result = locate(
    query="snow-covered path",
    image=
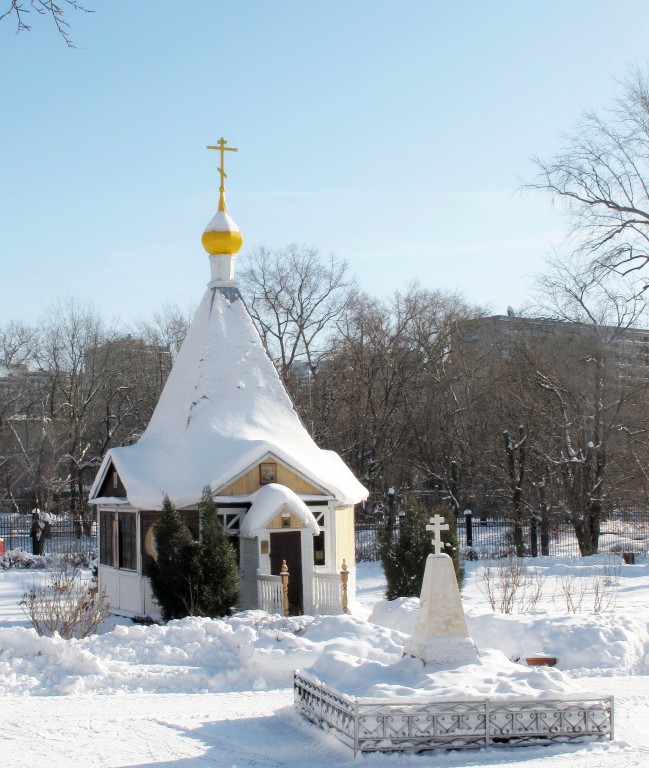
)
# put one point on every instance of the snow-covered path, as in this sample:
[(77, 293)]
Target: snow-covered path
[(260, 730), (243, 729)]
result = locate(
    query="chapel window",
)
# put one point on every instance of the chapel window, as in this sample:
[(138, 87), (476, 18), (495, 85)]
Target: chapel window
[(319, 548), (118, 540)]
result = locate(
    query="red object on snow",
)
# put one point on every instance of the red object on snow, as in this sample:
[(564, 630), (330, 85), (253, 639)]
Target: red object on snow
[(541, 661)]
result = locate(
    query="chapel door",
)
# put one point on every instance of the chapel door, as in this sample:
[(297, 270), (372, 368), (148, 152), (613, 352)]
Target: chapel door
[(286, 545)]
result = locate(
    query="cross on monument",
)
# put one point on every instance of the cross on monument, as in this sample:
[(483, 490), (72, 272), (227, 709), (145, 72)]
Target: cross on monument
[(220, 145), (438, 525)]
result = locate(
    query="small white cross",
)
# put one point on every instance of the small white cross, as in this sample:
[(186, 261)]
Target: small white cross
[(437, 527)]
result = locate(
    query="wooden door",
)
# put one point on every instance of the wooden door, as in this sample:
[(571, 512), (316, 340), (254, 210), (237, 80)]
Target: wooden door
[(287, 545)]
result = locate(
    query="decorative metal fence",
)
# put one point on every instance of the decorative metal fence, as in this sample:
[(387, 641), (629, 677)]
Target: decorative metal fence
[(64, 535), (494, 538), (409, 725)]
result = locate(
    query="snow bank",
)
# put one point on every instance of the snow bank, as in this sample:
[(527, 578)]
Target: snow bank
[(494, 676), (591, 643), (250, 651), (253, 651)]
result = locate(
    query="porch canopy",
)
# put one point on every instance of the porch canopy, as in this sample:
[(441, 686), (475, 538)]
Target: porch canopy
[(268, 502)]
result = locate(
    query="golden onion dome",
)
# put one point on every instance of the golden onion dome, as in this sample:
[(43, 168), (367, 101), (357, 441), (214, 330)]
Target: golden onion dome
[(222, 235)]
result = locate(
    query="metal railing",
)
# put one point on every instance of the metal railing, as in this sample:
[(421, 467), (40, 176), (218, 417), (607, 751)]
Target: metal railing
[(494, 537), (64, 535), (417, 725), (487, 538)]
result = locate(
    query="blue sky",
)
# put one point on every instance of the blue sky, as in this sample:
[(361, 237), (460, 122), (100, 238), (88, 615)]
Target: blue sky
[(394, 134)]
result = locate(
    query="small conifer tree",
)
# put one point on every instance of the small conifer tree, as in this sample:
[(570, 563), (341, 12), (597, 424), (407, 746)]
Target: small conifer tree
[(218, 588), (193, 578), (404, 556), (176, 566)]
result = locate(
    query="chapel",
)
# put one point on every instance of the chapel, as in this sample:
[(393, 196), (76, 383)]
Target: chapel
[(225, 420)]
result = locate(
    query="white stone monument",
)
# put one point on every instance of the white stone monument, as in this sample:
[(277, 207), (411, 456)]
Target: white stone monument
[(441, 634)]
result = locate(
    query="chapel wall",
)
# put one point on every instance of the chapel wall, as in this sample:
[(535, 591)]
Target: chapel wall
[(345, 536), (248, 562)]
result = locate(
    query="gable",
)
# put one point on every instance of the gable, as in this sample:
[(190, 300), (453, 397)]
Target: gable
[(111, 485), (285, 518), (251, 480)]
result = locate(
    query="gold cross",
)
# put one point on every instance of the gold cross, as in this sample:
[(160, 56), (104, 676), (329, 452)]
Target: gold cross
[(223, 149)]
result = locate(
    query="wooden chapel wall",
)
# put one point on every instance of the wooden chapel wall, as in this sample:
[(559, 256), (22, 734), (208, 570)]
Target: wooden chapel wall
[(249, 562), (345, 537)]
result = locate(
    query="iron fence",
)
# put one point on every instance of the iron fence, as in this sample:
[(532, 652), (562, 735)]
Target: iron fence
[(65, 535), (494, 538), (479, 538)]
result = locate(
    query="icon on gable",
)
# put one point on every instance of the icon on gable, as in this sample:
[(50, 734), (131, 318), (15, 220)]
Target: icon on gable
[(267, 473)]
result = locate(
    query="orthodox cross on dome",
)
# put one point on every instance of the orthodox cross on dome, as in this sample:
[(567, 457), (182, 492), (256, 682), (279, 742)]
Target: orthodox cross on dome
[(222, 237), (438, 525), (220, 145)]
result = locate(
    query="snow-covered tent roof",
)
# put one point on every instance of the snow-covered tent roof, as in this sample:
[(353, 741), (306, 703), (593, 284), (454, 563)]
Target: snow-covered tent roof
[(222, 410), (267, 503)]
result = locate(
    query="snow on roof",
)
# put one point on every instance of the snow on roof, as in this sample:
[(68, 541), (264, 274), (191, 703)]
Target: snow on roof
[(222, 410), (109, 500), (267, 502)]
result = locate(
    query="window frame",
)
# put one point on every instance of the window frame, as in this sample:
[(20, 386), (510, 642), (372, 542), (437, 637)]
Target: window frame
[(118, 540)]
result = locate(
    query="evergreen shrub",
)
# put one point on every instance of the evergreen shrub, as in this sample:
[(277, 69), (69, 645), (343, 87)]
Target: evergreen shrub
[(193, 578), (403, 555), (218, 590)]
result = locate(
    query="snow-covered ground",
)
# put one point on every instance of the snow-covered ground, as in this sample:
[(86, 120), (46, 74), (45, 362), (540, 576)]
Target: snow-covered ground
[(216, 692)]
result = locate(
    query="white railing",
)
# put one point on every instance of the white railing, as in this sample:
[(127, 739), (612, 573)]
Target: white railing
[(270, 597), (412, 725), (326, 593)]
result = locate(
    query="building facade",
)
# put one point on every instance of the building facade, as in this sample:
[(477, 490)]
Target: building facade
[(225, 421)]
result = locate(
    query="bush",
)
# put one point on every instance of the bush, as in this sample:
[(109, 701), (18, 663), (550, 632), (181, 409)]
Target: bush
[(173, 571), (404, 556), (193, 578), (217, 590), (19, 558), (69, 605)]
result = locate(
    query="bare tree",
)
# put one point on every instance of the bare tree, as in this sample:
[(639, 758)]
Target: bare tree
[(166, 329), (518, 475), (70, 389), (516, 453), (17, 344), (444, 406), (369, 373), (570, 290), (594, 394), (602, 177), (388, 377), (19, 10), (295, 296), (73, 354)]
